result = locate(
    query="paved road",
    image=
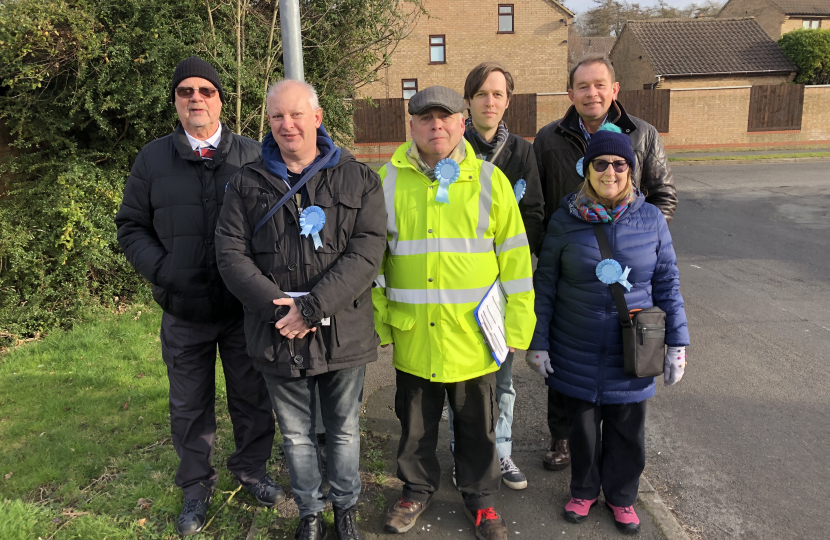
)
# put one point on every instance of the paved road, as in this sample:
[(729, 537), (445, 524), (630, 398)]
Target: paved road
[(741, 444), (739, 448)]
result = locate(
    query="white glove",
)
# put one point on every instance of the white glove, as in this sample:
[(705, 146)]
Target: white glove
[(673, 364), (539, 361)]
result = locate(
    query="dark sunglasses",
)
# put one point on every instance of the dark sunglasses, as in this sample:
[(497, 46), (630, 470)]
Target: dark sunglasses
[(619, 166), (185, 92)]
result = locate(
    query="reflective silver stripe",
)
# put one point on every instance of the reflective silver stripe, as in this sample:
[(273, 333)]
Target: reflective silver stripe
[(380, 281), (443, 245), (515, 286), (485, 198), (389, 196), (437, 296), (520, 240)]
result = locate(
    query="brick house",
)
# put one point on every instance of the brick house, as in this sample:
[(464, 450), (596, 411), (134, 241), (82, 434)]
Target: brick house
[(530, 37), (694, 53), (777, 17)]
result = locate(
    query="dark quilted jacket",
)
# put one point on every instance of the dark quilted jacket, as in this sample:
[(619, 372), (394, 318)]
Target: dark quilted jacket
[(560, 144), (168, 218), (576, 317)]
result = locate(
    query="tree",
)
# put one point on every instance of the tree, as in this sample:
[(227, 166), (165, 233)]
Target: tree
[(84, 84), (609, 16), (810, 51)]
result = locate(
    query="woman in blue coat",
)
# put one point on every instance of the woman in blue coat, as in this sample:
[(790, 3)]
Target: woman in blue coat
[(577, 345)]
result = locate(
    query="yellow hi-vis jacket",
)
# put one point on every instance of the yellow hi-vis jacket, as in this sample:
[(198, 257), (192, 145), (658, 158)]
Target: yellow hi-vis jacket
[(439, 262)]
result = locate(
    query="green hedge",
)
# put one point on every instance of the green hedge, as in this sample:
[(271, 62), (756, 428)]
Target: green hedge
[(810, 51)]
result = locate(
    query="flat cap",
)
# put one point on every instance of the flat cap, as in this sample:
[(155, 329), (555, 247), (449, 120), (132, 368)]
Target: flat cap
[(436, 96)]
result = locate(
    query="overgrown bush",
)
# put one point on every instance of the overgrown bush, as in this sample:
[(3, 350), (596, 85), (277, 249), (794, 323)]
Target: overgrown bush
[(84, 84), (810, 51)]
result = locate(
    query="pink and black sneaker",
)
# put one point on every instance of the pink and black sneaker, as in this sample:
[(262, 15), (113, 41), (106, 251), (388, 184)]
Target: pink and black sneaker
[(626, 518), (577, 509)]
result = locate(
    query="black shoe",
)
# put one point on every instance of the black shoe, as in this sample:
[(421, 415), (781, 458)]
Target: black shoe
[(311, 527), (193, 516), (267, 492), (345, 524)]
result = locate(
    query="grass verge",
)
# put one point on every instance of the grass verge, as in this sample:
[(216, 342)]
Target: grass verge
[(85, 447)]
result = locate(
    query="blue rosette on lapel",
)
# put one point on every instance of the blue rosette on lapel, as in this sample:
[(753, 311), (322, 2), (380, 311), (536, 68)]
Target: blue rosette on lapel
[(311, 222), (447, 171)]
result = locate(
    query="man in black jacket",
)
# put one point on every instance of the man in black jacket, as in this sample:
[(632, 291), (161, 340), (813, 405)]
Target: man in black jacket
[(166, 227), (304, 271), (559, 146), (487, 93)]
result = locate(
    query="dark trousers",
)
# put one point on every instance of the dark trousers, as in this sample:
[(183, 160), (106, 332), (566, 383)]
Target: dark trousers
[(608, 450), (418, 405), (558, 423), (189, 350)]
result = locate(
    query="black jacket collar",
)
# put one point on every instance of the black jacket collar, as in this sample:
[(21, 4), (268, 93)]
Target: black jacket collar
[(616, 115), (186, 151)]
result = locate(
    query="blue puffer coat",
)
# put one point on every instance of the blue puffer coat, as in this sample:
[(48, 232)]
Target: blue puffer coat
[(576, 317)]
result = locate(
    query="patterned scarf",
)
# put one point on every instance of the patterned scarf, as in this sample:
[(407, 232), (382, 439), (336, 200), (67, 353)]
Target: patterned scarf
[(483, 149), (594, 212), (414, 157)]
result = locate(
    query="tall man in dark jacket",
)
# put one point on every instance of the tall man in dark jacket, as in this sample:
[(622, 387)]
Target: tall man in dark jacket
[(166, 226), (593, 90), (487, 93), (304, 274)]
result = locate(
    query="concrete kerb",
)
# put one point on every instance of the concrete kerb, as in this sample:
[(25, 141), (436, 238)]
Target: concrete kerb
[(661, 514), (696, 162)]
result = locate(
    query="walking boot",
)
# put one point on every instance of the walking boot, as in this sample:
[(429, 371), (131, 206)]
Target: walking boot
[(489, 525), (345, 524), (625, 518), (402, 515), (577, 509), (267, 492), (193, 516), (311, 527), (558, 456)]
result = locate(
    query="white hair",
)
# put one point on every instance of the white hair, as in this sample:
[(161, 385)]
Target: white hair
[(282, 83)]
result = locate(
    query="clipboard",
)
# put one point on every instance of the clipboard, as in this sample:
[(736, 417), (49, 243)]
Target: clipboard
[(489, 315)]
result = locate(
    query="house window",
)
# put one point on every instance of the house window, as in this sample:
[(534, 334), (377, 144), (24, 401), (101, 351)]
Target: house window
[(807, 23), (505, 19), (409, 87), (437, 50)]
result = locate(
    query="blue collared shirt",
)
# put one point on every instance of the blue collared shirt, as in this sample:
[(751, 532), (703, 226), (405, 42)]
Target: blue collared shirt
[(585, 131)]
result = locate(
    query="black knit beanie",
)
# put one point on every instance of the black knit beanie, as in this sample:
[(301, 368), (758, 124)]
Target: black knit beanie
[(609, 140), (195, 67)]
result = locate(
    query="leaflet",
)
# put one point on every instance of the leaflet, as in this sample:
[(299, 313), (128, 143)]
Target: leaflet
[(490, 317)]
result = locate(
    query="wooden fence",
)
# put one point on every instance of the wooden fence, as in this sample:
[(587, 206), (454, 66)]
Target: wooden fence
[(520, 116), (383, 123), (775, 107), (653, 106)]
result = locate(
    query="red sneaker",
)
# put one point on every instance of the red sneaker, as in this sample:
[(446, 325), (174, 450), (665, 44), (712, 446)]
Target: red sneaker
[(626, 518), (577, 509)]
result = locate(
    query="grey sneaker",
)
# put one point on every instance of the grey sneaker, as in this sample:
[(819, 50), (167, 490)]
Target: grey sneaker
[(510, 473), (193, 516)]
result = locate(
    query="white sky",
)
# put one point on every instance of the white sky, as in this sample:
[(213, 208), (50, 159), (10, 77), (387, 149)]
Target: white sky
[(578, 6)]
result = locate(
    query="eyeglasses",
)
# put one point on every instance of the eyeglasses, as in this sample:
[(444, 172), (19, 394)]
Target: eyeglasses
[(619, 166), (185, 92)]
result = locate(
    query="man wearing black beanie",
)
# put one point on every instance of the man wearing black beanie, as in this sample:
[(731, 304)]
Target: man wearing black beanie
[(166, 227)]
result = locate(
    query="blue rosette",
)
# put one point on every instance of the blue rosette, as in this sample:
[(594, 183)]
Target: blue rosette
[(579, 164), (447, 171), (519, 189), (311, 222), (609, 272)]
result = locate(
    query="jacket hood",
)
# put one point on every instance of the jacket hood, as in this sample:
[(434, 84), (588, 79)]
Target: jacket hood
[(272, 157)]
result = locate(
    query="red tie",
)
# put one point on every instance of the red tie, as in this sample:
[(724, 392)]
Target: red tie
[(205, 153)]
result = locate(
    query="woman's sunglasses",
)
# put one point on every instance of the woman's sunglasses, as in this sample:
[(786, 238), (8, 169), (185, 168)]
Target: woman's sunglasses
[(619, 166), (185, 92)]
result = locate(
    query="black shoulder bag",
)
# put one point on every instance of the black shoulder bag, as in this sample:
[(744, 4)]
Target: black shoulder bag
[(643, 330)]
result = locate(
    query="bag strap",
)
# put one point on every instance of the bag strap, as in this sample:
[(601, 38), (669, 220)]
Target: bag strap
[(291, 192), (616, 288)]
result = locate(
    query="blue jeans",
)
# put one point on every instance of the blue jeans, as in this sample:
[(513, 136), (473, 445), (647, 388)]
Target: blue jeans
[(295, 402), (506, 396)]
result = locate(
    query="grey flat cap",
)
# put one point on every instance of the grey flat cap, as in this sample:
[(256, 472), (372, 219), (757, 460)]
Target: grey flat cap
[(436, 96)]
